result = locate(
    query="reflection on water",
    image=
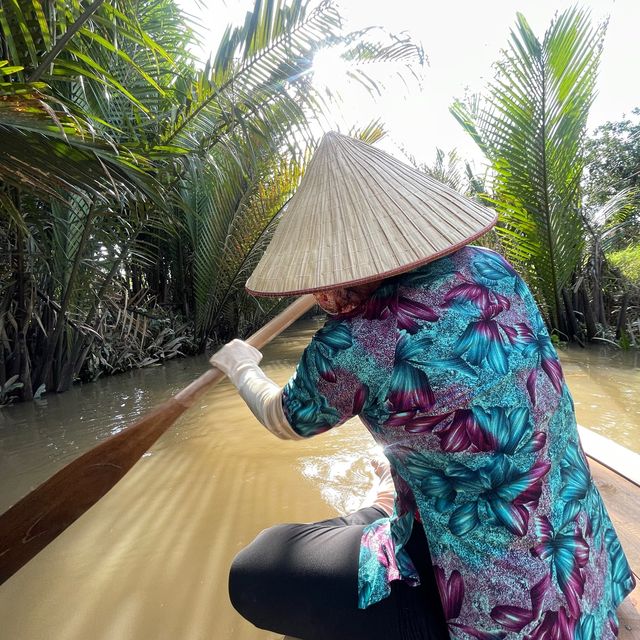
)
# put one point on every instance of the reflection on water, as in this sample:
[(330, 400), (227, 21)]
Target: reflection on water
[(150, 560)]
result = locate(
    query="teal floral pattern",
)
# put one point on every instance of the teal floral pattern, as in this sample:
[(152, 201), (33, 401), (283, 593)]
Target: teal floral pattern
[(453, 371)]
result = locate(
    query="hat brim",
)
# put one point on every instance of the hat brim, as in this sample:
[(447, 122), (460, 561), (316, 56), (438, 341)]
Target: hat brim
[(380, 276)]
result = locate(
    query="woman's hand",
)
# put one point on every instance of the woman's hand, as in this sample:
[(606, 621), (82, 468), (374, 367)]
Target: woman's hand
[(232, 355)]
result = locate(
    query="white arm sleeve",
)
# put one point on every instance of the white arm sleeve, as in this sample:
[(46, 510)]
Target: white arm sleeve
[(264, 398)]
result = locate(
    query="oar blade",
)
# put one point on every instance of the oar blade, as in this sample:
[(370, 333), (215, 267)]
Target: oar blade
[(33, 522)]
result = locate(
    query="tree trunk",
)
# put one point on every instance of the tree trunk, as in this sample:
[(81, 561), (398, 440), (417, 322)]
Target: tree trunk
[(573, 331), (82, 344), (587, 309), (4, 307), (598, 298), (52, 344), (622, 315), (23, 319)]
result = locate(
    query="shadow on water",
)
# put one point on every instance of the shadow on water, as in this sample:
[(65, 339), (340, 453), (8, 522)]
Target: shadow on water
[(150, 560)]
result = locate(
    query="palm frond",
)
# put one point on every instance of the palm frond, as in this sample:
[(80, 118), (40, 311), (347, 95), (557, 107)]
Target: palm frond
[(257, 64), (531, 126), (50, 152), (618, 216)]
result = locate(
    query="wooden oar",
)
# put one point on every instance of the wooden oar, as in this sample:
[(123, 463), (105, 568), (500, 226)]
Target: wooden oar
[(33, 522)]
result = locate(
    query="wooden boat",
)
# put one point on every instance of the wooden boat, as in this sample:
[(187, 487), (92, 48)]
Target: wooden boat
[(616, 472)]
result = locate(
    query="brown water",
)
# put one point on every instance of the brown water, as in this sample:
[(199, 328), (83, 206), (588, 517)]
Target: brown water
[(150, 560), (605, 385)]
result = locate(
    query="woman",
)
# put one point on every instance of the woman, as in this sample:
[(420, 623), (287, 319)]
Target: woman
[(497, 531)]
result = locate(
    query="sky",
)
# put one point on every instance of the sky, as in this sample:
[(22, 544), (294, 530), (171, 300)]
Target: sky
[(461, 39)]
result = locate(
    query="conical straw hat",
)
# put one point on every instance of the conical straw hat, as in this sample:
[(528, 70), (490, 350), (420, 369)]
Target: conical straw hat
[(361, 215)]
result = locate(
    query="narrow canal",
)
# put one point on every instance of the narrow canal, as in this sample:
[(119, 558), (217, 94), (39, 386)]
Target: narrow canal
[(150, 560)]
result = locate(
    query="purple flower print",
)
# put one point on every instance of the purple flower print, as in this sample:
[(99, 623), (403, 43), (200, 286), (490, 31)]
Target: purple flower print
[(476, 429), (378, 306), (535, 341), (409, 388), (411, 314), (461, 433), (505, 430), (492, 266), (333, 337), (478, 634), (613, 622), (517, 618), (451, 595), (451, 592), (360, 398), (500, 490), (482, 342), (480, 296), (508, 494), (556, 625)]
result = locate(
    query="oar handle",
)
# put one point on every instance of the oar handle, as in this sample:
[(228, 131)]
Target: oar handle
[(261, 337)]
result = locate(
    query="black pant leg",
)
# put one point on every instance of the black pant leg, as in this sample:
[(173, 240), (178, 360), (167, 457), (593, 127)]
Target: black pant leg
[(363, 516), (301, 580)]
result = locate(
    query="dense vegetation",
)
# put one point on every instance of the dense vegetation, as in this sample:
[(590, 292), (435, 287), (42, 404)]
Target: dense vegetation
[(628, 261), (558, 220), (137, 188)]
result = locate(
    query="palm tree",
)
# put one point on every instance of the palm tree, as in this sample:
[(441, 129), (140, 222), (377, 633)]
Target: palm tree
[(531, 126), (125, 167)]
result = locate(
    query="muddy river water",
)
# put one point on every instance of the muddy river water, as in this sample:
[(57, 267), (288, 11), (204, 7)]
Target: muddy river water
[(150, 560)]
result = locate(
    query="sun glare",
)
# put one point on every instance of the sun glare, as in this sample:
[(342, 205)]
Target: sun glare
[(329, 69)]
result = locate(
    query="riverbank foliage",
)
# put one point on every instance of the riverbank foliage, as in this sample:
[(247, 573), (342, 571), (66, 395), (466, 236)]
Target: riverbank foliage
[(139, 187), (563, 205), (628, 261)]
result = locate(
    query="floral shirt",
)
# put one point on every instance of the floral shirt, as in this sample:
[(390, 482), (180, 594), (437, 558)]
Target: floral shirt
[(453, 372)]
